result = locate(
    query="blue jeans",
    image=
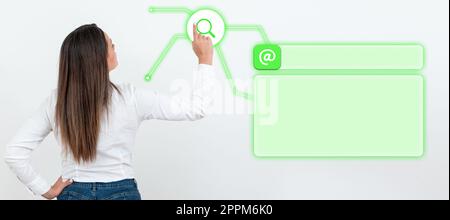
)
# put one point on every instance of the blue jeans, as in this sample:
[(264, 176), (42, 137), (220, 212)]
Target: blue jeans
[(119, 190)]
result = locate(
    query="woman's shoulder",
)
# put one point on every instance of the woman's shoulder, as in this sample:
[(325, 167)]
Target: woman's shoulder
[(125, 89)]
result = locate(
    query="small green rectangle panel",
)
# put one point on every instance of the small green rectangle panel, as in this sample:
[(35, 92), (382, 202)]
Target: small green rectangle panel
[(352, 56), (338, 116)]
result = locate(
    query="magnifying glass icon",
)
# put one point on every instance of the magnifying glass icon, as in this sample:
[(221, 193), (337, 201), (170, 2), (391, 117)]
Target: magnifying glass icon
[(207, 26)]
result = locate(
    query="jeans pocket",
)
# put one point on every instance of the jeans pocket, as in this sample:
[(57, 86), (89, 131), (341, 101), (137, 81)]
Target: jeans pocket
[(71, 195), (125, 195)]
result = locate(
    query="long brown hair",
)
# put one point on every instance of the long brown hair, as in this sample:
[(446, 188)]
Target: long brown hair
[(84, 91)]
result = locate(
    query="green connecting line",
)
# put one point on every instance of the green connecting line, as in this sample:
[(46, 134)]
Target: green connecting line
[(153, 9), (163, 54), (221, 56), (229, 77), (249, 27)]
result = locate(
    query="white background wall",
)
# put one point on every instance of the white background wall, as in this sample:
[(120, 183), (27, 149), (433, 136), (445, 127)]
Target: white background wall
[(211, 158)]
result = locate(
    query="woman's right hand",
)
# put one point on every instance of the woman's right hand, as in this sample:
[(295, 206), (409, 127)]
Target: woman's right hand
[(202, 46), (57, 188)]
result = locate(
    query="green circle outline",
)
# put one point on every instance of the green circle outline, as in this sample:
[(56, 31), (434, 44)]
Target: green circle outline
[(206, 8)]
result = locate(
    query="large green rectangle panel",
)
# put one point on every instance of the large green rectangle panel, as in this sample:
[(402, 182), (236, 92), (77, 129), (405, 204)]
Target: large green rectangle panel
[(338, 116), (352, 56)]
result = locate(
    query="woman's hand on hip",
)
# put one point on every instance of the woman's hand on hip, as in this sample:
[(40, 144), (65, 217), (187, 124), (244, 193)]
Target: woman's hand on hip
[(202, 46), (57, 188)]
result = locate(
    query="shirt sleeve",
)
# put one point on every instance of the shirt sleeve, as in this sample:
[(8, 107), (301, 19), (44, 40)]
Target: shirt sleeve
[(19, 149), (190, 106)]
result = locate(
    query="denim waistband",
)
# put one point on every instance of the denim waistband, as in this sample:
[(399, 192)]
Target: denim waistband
[(115, 184)]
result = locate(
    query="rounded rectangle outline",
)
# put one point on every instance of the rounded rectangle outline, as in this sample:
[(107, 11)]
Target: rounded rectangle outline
[(346, 157)]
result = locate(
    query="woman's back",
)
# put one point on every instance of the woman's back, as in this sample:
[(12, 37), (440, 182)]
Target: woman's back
[(116, 138)]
